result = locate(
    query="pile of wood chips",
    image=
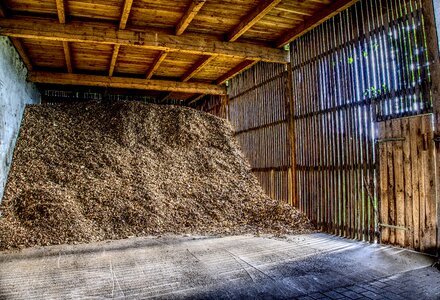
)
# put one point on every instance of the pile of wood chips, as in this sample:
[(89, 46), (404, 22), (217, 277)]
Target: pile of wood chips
[(88, 172)]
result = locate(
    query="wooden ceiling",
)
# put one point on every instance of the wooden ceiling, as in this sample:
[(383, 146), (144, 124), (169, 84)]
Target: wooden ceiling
[(187, 47)]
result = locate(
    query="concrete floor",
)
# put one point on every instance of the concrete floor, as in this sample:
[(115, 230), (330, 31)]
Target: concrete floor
[(315, 266)]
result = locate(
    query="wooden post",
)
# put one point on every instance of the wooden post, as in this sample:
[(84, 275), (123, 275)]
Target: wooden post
[(434, 63), (292, 134)]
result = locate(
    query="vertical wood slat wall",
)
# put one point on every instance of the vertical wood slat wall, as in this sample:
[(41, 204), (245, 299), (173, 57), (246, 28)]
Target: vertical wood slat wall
[(259, 111), (258, 108), (366, 64), (407, 183)]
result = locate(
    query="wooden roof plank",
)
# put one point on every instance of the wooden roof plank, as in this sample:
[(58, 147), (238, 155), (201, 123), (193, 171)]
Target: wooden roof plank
[(125, 13), (61, 11), (191, 12), (234, 71), (67, 57), (115, 53), (198, 67), (156, 64), (199, 44), (126, 83), (20, 49), (320, 17), (259, 12)]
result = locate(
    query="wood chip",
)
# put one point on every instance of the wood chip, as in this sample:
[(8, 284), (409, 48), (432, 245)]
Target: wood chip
[(85, 172)]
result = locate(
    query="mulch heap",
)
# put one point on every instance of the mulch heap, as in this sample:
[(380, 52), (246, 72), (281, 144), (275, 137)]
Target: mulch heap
[(87, 172)]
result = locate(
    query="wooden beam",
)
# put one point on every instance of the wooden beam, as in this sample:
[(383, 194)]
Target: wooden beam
[(234, 71), (68, 57), (194, 99), (61, 11), (166, 97), (189, 15), (113, 60), (23, 54), (122, 24), (156, 64), (323, 15), (125, 13), (256, 15), (155, 39), (125, 83), (197, 67)]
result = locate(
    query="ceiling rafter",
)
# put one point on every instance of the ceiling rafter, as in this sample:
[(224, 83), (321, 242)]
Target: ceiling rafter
[(191, 12), (256, 15), (125, 13), (68, 57), (122, 24), (126, 83), (61, 11), (156, 64), (200, 44), (234, 71), (24, 56), (197, 67), (115, 53), (320, 17)]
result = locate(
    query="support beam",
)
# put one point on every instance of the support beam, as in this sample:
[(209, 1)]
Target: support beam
[(432, 41), (237, 69), (111, 69), (323, 15), (23, 54), (125, 13), (166, 97), (194, 99), (155, 39), (61, 11), (68, 57), (197, 67), (156, 64), (122, 24), (189, 15), (256, 15), (126, 83)]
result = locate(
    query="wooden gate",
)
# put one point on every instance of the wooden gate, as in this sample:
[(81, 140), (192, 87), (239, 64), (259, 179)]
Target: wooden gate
[(406, 157)]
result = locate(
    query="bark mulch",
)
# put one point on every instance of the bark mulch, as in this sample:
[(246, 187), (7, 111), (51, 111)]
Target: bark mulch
[(85, 172)]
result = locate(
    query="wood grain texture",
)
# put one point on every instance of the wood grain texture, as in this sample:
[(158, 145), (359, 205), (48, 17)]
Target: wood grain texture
[(320, 17), (125, 13), (257, 13), (96, 33), (129, 83), (113, 60), (156, 64), (67, 57), (61, 11), (236, 70), (190, 13), (197, 67)]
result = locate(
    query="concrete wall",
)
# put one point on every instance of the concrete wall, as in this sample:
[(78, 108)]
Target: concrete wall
[(15, 93)]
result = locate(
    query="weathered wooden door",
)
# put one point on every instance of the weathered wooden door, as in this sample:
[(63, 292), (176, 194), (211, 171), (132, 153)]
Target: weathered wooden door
[(408, 216)]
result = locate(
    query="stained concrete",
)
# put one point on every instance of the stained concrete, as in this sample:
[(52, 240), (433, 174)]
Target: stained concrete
[(316, 266), (15, 93)]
